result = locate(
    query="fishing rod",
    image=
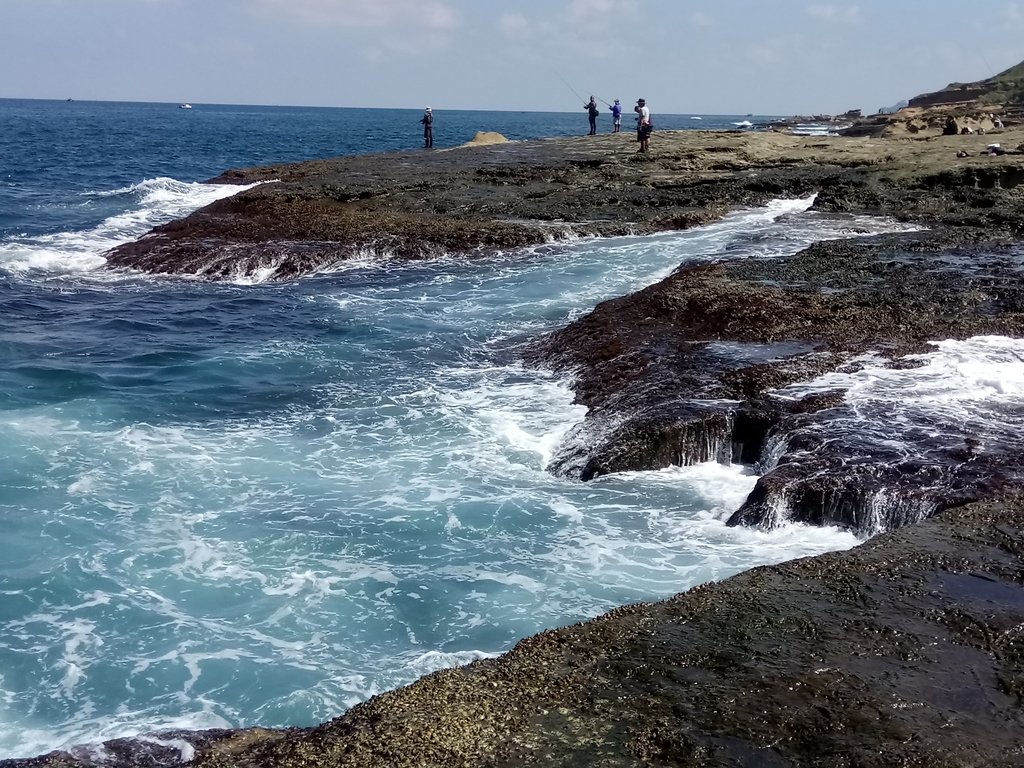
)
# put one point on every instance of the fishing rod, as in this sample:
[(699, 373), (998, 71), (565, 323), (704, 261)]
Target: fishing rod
[(567, 85), (577, 93)]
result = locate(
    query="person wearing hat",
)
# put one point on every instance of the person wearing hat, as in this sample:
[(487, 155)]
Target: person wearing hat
[(428, 128), (643, 124), (616, 109), (592, 113)]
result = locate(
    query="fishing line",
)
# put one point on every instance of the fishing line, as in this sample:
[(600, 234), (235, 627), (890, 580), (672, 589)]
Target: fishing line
[(991, 72), (574, 91), (577, 93)]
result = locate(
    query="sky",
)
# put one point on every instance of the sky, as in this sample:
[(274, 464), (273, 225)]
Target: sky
[(772, 57)]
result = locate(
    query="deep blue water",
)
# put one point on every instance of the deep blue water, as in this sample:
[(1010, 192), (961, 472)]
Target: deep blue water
[(236, 504)]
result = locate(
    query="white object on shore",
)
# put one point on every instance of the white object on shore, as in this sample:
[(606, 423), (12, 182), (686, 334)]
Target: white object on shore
[(817, 129)]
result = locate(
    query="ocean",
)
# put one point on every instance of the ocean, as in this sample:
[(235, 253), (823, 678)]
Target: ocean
[(238, 504)]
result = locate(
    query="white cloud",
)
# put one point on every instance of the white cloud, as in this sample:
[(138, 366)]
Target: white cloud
[(765, 53), (581, 11), (394, 27), (514, 25), (574, 29), (598, 14), (702, 20), (837, 14), (429, 15)]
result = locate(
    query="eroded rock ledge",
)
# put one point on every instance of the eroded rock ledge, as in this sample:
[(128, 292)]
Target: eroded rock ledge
[(690, 369), (478, 200), (908, 650)]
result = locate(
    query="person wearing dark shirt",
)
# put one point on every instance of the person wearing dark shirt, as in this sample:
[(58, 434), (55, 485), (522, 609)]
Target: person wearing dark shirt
[(428, 128)]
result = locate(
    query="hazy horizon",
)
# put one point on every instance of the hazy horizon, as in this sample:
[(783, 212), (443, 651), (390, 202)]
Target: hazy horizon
[(725, 57), (406, 109)]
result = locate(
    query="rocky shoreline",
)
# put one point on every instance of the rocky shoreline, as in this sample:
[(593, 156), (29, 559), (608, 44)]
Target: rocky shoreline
[(481, 199), (904, 651)]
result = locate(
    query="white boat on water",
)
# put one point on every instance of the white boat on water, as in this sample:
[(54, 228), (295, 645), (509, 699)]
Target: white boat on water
[(184, 106), (696, 118), (817, 129)]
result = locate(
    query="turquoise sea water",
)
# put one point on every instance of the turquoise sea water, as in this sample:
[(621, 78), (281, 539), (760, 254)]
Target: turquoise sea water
[(241, 504)]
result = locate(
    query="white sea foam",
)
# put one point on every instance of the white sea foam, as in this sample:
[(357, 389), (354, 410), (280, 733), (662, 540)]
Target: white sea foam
[(256, 277), (186, 752), (580, 266), (84, 732), (973, 387), (153, 202), (597, 269), (432, 661), (514, 411)]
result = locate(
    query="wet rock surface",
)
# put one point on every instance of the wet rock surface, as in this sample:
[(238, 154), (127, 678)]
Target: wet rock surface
[(696, 367), (908, 650)]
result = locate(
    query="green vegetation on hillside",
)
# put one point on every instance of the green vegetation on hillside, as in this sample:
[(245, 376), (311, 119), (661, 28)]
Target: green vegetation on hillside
[(1007, 87)]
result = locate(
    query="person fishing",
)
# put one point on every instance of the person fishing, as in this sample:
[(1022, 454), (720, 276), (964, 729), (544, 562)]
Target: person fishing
[(616, 109), (428, 128), (592, 113), (643, 124)]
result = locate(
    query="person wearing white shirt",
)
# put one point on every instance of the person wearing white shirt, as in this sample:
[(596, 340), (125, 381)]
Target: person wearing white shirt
[(643, 125)]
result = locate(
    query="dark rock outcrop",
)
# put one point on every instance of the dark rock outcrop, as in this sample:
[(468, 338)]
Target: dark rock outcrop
[(1005, 88), (483, 199), (691, 369)]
